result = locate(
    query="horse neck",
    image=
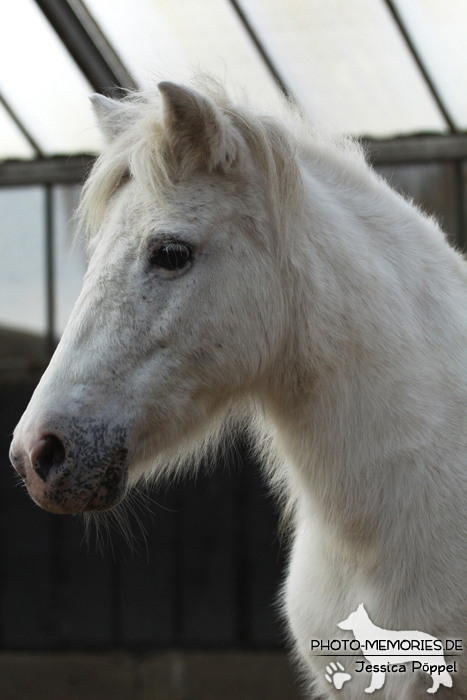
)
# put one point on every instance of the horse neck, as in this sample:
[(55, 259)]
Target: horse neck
[(330, 400)]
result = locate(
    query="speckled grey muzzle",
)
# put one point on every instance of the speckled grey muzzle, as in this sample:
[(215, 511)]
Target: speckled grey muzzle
[(73, 465)]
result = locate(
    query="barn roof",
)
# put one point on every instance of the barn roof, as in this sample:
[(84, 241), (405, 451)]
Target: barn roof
[(375, 68)]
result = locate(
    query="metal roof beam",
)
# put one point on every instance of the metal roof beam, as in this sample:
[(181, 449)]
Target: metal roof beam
[(417, 149), (45, 171), (73, 169), (262, 50), (87, 45), (418, 59), (29, 138)]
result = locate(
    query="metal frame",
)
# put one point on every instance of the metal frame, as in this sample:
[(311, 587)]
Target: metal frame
[(270, 65), (95, 57), (88, 46), (73, 169), (420, 63), (105, 71), (49, 271), (27, 135), (417, 149), (43, 171)]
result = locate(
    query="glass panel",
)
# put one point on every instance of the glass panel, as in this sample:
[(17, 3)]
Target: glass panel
[(22, 271), (12, 142), (70, 262), (42, 83), (348, 64), (438, 30), (164, 40)]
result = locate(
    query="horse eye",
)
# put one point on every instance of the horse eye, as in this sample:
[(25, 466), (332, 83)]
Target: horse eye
[(171, 256)]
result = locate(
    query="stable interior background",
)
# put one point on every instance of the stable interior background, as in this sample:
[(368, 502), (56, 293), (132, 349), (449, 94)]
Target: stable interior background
[(190, 610)]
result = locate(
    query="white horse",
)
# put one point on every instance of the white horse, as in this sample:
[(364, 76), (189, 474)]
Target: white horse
[(239, 266)]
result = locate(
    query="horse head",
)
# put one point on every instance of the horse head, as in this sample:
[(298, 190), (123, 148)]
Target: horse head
[(182, 312)]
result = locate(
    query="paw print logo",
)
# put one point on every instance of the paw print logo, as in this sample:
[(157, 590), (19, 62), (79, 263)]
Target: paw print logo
[(336, 675)]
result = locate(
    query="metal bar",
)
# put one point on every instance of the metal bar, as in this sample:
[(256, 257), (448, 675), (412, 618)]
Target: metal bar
[(264, 54), (29, 138), (87, 45), (125, 80), (417, 149), (45, 170), (418, 59), (49, 270), (73, 169)]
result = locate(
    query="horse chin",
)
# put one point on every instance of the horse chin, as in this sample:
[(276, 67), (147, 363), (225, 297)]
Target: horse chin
[(113, 486)]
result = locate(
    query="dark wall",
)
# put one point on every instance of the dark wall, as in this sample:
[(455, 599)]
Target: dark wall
[(436, 188), (206, 576)]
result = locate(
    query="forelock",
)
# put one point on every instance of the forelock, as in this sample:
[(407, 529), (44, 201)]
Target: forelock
[(141, 151)]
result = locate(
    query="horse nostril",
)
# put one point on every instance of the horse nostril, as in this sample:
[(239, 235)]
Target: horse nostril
[(47, 453)]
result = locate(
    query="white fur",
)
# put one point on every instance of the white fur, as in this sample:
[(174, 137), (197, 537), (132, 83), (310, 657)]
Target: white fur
[(322, 305)]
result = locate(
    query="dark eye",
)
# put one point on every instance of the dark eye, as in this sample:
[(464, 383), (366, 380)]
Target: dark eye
[(171, 256)]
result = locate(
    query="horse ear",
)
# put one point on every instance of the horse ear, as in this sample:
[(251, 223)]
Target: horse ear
[(197, 128), (109, 115)]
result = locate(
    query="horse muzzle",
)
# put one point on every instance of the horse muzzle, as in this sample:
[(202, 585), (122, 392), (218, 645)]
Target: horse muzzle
[(82, 468)]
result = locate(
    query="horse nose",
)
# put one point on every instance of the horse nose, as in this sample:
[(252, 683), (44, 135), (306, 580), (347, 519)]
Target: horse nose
[(46, 454)]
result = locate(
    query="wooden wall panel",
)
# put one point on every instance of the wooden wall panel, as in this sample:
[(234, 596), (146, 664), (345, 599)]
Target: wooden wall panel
[(434, 187)]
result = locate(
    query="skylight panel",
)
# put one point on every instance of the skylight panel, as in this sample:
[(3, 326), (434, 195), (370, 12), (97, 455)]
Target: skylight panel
[(12, 142), (348, 64), (166, 40), (42, 83)]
